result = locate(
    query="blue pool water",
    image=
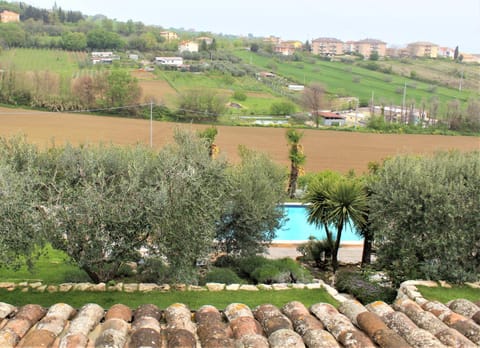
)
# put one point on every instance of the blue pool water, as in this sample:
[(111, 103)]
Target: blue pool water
[(296, 227)]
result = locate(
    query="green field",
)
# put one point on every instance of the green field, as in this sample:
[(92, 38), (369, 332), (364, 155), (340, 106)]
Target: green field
[(28, 59), (259, 96), (339, 78), (351, 80)]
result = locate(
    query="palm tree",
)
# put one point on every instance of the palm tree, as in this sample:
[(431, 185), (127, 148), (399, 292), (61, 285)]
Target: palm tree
[(336, 203), (297, 159)]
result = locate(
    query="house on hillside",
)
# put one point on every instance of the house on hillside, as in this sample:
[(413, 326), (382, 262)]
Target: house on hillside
[(9, 17), (208, 40), (188, 46), (284, 48), (327, 46), (367, 46), (332, 118), (423, 49), (169, 35), (446, 52), (274, 40), (169, 61)]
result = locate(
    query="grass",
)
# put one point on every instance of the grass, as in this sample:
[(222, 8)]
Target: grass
[(53, 268), (193, 299), (444, 295), (28, 59), (342, 78)]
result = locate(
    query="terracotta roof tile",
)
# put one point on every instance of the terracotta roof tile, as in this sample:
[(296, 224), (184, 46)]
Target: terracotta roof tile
[(411, 321)]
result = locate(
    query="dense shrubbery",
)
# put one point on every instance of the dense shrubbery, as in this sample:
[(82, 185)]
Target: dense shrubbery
[(102, 205), (222, 275), (260, 270), (362, 289), (425, 213)]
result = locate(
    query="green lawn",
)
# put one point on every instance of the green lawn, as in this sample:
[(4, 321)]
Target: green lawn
[(445, 294), (53, 268), (192, 299)]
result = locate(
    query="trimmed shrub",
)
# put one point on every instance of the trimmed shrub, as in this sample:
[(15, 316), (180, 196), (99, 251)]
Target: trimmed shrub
[(239, 95), (268, 274), (222, 275), (362, 289), (249, 264), (259, 269)]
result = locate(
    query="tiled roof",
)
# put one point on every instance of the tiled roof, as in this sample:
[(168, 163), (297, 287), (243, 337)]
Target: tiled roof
[(411, 321)]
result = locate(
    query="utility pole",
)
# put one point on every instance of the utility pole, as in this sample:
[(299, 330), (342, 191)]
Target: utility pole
[(151, 123), (403, 102), (460, 85), (373, 104), (356, 114)]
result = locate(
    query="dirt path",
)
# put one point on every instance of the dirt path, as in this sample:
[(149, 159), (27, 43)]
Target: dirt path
[(333, 150)]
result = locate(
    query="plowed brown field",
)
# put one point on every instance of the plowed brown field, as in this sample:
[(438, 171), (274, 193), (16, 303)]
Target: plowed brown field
[(324, 149)]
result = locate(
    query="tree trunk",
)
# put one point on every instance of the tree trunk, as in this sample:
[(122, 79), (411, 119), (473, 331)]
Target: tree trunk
[(335, 249), (292, 183), (367, 250), (93, 275)]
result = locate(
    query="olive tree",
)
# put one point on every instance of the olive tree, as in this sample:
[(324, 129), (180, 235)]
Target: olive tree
[(425, 215), (20, 229), (98, 206), (252, 211), (191, 191), (106, 204)]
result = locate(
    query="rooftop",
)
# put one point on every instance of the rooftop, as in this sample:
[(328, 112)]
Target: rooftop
[(411, 321)]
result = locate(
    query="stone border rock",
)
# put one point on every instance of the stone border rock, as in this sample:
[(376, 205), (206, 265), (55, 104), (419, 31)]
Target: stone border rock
[(149, 287), (408, 289)]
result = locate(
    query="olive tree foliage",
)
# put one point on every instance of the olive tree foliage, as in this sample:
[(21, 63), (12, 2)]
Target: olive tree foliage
[(252, 210), (425, 215), (20, 231), (106, 204), (98, 205), (200, 105), (192, 188)]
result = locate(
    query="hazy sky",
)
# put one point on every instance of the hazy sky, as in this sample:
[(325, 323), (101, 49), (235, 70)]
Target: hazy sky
[(398, 22)]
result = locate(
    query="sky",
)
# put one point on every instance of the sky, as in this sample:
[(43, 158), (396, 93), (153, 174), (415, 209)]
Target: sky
[(448, 23)]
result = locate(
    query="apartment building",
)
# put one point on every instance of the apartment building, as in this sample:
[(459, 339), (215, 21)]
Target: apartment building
[(327, 46), (423, 49), (367, 46)]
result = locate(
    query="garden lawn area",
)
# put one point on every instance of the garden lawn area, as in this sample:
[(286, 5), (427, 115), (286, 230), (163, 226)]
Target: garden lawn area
[(52, 267), (193, 299), (444, 295)]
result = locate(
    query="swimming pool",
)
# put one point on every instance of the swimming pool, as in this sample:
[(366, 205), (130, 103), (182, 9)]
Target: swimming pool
[(297, 229)]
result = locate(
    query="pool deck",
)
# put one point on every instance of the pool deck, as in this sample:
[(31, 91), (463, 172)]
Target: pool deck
[(348, 253)]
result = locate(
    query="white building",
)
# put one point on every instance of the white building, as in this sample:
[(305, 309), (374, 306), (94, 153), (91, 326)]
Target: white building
[(103, 57), (188, 46), (171, 61)]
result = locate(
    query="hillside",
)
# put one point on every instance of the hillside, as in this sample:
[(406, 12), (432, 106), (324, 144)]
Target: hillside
[(45, 63)]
